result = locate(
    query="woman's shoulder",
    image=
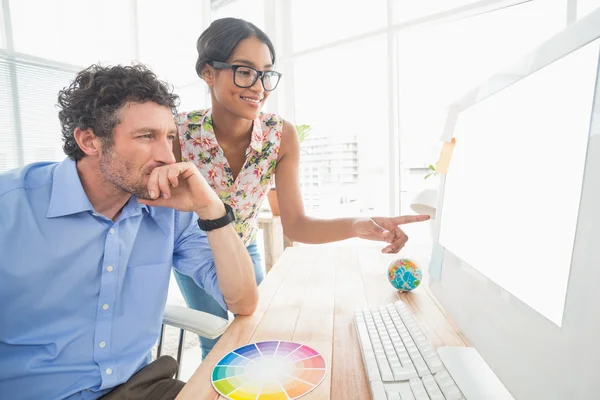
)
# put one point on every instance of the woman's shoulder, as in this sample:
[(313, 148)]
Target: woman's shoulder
[(194, 116), (270, 120)]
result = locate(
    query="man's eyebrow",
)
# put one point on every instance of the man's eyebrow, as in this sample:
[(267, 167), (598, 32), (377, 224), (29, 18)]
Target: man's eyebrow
[(151, 130), (250, 63)]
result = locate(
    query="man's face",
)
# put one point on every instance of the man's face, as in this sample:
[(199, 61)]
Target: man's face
[(142, 141)]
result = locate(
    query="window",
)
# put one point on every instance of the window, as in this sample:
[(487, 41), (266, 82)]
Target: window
[(73, 31), (193, 97), (2, 36), (407, 10), (29, 125), (584, 7), (346, 105), (250, 10), (53, 47), (9, 142), (167, 34), (316, 22), (441, 63)]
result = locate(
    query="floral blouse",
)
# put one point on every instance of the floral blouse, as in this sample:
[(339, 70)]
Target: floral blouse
[(246, 193)]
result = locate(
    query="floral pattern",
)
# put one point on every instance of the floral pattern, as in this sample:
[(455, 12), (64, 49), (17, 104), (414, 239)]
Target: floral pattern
[(246, 193)]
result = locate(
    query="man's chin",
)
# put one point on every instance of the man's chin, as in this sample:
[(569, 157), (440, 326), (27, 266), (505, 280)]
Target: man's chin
[(144, 195), (139, 192)]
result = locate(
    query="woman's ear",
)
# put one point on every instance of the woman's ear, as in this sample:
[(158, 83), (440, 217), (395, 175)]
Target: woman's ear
[(208, 75)]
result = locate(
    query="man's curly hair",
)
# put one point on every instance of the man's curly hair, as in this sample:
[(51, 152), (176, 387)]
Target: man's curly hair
[(94, 98)]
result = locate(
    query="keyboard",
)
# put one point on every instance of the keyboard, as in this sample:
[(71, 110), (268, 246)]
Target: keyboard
[(401, 363)]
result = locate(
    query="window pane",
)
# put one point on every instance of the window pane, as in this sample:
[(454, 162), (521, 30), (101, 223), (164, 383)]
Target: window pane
[(38, 92), (9, 152), (74, 31), (250, 10), (193, 96), (171, 57), (34, 117), (441, 63), (316, 22), (2, 38), (344, 161), (584, 7), (406, 10)]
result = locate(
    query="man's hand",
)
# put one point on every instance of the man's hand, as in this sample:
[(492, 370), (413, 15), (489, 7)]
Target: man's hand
[(181, 186), (386, 230)]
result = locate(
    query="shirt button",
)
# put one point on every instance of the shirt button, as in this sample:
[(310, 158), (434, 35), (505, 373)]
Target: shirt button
[(109, 268), (105, 306), (108, 371), (102, 345), (94, 214), (111, 231)]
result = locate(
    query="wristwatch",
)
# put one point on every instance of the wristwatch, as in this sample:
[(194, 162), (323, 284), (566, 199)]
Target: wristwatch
[(211, 224)]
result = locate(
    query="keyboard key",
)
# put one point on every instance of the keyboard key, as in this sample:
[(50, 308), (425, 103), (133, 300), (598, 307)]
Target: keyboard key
[(447, 385), (432, 388), (404, 373), (363, 336), (435, 364), (378, 391), (384, 368), (418, 389), (420, 366), (373, 371), (405, 391), (405, 360), (368, 354)]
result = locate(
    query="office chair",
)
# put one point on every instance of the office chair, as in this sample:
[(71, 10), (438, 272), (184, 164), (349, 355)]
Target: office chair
[(186, 319)]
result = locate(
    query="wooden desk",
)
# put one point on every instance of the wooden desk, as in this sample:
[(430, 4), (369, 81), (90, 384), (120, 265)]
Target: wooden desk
[(309, 297)]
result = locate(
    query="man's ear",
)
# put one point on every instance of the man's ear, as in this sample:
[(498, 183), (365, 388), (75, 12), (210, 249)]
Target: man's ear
[(87, 141)]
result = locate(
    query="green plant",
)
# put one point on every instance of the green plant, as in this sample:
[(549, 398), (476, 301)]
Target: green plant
[(433, 172), (303, 132)]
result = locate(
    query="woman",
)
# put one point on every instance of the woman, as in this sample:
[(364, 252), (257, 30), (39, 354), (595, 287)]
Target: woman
[(241, 150)]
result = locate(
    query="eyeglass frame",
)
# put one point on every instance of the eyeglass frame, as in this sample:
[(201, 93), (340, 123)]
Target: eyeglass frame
[(259, 74)]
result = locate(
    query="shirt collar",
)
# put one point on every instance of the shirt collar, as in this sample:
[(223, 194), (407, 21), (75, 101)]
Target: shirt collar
[(209, 140), (68, 196)]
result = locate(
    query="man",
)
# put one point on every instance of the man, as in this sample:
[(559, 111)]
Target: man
[(87, 246)]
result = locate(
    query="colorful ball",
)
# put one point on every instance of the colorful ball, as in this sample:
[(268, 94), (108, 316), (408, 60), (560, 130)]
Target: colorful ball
[(404, 274)]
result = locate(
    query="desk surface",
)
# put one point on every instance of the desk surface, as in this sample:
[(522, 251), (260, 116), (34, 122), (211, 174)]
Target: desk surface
[(310, 297)]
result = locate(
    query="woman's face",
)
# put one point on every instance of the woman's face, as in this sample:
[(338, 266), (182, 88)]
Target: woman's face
[(243, 102)]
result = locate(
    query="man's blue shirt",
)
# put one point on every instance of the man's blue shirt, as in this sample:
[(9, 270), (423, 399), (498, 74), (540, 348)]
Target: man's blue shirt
[(81, 296)]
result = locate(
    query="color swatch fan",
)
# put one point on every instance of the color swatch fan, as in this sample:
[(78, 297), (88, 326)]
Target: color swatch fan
[(273, 370)]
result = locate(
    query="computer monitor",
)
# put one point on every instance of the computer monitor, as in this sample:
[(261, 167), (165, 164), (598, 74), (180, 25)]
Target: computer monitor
[(516, 258)]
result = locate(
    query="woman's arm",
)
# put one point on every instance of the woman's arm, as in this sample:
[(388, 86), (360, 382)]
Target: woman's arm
[(296, 225), (301, 228)]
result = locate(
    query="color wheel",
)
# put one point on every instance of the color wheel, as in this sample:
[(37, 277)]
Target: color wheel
[(273, 370)]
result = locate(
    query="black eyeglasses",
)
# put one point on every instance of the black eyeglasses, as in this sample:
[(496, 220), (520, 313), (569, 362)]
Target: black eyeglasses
[(246, 77)]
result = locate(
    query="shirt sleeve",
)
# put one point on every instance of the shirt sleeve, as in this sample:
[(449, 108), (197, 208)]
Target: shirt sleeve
[(193, 256)]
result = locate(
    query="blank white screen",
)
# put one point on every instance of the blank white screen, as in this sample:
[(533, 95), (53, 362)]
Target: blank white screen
[(512, 191)]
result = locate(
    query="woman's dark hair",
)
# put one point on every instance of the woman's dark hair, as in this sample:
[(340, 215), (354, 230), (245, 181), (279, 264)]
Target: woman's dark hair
[(94, 98), (218, 41)]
